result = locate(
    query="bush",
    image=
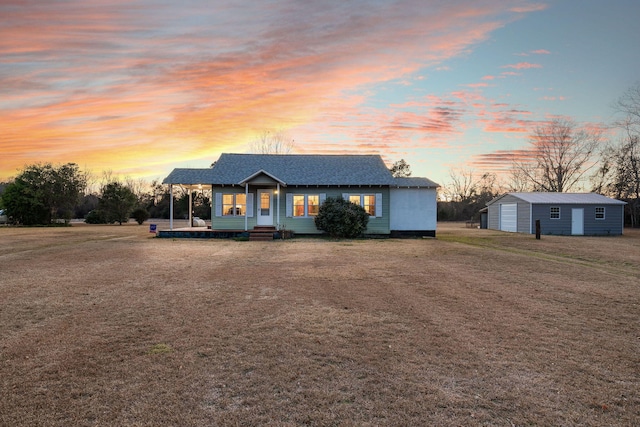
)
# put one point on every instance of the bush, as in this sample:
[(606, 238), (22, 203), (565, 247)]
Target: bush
[(140, 215), (341, 218), (96, 217)]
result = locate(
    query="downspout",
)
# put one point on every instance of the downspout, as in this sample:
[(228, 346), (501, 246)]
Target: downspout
[(246, 198), (171, 207), (278, 206)]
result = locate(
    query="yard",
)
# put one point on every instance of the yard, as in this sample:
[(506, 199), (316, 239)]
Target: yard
[(106, 325)]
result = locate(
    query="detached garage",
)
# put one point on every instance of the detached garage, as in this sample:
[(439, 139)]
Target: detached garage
[(559, 213)]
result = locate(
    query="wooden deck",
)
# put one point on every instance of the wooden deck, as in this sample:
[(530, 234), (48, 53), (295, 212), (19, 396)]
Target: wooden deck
[(200, 233), (255, 234)]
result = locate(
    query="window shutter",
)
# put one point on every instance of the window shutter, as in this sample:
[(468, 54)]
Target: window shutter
[(345, 196), (323, 197), (378, 205), (289, 207), (250, 205), (218, 204)]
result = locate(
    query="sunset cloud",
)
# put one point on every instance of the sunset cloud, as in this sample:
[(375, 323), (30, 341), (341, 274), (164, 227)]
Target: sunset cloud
[(100, 82), (142, 86), (522, 66)]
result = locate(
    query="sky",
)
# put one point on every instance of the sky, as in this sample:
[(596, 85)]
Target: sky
[(139, 87)]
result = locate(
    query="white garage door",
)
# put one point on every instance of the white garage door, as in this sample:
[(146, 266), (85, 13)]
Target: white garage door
[(509, 217)]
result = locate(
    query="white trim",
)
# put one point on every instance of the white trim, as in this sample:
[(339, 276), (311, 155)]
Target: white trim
[(171, 207), (262, 171), (278, 206), (246, 216), (190, 207)]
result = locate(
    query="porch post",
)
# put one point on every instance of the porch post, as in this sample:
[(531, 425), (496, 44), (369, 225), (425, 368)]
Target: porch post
[(278, 206), (246, 198), (171, 207), (190, 207)]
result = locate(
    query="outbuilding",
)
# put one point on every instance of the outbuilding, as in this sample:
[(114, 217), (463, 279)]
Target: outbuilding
[(575, 214)]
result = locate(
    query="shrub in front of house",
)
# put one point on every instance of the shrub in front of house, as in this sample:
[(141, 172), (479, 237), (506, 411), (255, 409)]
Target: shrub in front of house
[(341, 218)]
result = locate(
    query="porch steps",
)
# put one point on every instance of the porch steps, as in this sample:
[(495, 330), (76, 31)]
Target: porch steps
[(261, 233)]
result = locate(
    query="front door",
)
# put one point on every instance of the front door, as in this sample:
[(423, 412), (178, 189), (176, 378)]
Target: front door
[(577, 222), (265, 207)]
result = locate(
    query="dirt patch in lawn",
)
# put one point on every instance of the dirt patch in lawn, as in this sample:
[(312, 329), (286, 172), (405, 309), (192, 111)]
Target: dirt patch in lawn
[(107, 325)]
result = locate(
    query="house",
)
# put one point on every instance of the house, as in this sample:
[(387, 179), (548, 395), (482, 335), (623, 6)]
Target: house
[(559, 213), (285, 191)]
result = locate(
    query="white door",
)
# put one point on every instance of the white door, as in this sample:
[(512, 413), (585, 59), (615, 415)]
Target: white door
[(577, 222), (509, 217), (265, 207)]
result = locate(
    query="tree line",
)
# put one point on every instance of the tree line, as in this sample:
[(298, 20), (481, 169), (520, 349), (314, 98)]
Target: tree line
[(44, 193)]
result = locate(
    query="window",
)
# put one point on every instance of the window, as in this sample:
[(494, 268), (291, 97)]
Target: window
[(554, 212), (313, 204), (599, 212), (306, 204), (298, 204), (234, 204), (369, 204), (372, 203)]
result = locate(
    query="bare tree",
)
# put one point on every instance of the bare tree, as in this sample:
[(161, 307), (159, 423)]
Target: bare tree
[(619, 173), (462, 187), (629, 105), (139, 186), (561, 154), (466, 194), (518, 181), (272, 142)]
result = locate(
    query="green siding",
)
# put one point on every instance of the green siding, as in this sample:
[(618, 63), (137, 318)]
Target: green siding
[(231, 222), (299, 225), (306, 225)]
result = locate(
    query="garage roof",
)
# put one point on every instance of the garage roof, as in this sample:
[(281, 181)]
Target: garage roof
[(563, 198)]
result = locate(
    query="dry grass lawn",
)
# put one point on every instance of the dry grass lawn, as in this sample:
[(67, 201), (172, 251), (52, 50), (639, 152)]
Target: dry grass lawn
[(107, 325)]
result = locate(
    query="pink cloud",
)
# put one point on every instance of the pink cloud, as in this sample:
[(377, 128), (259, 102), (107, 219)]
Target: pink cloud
[(535, 7), (522, 66), (501, 160)]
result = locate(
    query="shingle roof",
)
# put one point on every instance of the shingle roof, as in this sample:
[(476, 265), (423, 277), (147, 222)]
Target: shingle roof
[(414, 182), (292, 169), (563, 198)]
